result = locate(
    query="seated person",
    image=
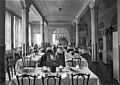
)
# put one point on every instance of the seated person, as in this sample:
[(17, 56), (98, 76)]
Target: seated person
[(60, 57), (36, 48), (47, 57), (76, 50)]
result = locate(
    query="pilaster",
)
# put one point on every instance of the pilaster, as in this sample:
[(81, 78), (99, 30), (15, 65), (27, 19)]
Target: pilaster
[(2, 41), (94, 34), (77, 33)]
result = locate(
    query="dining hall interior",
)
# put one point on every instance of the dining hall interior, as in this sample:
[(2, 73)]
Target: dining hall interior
[(59, 42)]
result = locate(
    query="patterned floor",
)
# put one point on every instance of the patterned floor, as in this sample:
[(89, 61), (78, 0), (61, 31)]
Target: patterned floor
[(103, 71)]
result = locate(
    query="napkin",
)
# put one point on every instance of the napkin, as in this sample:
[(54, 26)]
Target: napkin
[(60, 66), (44, 67), (77, 67), (65, 75)]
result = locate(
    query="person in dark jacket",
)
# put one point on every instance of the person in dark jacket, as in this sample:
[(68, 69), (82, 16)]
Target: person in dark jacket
[(47, 57)]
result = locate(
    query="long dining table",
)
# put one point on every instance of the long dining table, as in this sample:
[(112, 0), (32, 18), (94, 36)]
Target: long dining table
[(65, 74), (34, 59)]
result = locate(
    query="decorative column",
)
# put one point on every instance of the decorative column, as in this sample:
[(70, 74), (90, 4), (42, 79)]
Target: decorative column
[(12, 32), (31, 36), (77, 33), (25, 4), (116, 47), (46, 33), (94, 33), (42, 34), (2, 41), (25, 20)]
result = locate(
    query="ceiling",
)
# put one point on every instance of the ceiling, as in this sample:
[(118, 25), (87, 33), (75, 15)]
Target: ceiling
[(56, 12), (60, 12)]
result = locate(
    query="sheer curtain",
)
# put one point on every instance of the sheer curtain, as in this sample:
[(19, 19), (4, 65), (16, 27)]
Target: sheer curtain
[(17, 32), (20, 34), (8, 30), (30, 35)]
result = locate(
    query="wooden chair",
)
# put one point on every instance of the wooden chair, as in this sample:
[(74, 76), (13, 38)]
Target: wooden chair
[(27, 62), (21, 79), (10, 66), (52, 77), (76, 61), (83, 76)]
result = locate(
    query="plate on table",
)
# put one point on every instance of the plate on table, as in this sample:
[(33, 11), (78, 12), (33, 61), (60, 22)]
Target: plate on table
[(45, 70), (28, 70)]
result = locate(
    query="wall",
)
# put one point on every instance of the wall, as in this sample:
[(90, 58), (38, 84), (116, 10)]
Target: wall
[(35, 28)]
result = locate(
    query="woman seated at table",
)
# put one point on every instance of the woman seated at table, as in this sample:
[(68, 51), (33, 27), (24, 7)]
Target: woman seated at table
[(60, 57), (47, 57)]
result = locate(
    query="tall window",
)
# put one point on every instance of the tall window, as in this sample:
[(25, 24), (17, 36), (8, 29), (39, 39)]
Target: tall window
[(8, 30)]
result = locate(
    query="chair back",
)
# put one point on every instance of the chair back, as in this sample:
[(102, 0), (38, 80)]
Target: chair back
[(55, 78), (10, 61), (76, 61), (10, 66), (27, 62), (21, 81), (83, 76)]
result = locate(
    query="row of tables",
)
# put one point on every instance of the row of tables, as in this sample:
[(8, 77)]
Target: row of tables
[(65, 73)]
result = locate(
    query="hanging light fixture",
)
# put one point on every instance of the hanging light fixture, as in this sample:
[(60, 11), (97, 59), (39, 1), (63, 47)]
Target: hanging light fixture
[(60, 9)]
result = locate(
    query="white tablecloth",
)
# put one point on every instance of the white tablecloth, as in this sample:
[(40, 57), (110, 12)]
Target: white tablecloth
[(33, 60), (84, 51), (94, 80)]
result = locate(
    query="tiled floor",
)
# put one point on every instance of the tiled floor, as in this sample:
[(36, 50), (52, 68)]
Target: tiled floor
[(103, 71)]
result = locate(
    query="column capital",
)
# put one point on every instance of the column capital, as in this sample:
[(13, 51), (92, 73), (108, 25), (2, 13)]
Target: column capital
[(94, 8), (25, 8), (76, 21), (94, 3), (25, 4)]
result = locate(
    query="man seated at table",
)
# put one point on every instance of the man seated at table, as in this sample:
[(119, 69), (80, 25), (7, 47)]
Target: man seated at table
[(47, 57)]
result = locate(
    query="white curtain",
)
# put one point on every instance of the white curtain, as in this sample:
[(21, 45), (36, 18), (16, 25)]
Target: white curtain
[(30, 35), (8, 30), (18, 36)]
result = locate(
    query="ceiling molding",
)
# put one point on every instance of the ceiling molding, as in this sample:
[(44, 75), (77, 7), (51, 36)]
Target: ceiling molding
[(59, 25), (41, 2), (82, 9), (75, 5), (32, 8)]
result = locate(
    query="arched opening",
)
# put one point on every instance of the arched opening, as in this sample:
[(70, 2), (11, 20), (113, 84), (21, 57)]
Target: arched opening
[(83, 34), (60, 36)]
